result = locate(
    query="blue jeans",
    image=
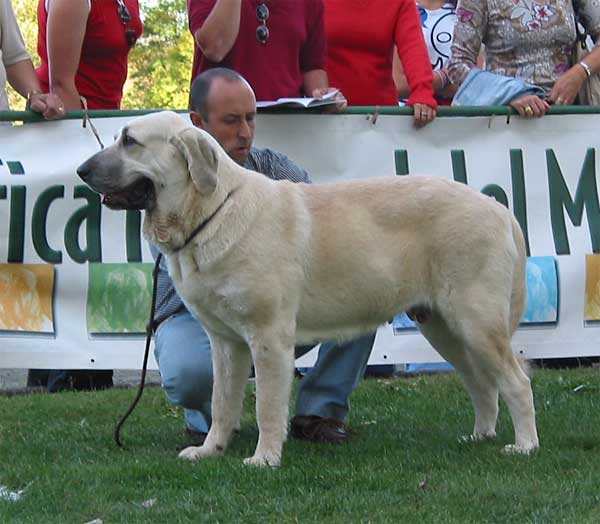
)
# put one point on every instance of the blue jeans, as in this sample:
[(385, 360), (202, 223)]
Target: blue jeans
[(182, 351)]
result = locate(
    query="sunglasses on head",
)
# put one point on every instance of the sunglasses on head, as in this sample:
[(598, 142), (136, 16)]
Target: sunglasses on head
[(125, 17), (262, 31)]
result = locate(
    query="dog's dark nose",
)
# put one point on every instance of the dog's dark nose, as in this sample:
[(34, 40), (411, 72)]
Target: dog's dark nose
[(84, 170)]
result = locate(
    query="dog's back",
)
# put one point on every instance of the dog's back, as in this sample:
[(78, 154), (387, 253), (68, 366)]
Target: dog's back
[(382, 245)]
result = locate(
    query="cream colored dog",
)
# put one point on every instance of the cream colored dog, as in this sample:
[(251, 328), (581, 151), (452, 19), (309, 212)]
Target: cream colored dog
[(266, 265)]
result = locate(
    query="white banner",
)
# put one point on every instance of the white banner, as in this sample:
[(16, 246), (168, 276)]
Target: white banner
[(75, 277)]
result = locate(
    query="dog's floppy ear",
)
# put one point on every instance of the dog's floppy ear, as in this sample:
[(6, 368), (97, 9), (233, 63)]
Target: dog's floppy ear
[(201, 157)]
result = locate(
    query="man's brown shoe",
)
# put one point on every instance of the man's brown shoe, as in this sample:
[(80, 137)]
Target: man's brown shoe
[(318, 429)]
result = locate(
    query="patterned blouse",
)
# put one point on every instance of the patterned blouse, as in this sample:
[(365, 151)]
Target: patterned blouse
[(528, 39)]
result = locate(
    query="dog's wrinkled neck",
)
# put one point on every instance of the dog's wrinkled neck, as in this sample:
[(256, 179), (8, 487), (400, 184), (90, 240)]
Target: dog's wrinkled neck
[(203, 224), (172, 230)]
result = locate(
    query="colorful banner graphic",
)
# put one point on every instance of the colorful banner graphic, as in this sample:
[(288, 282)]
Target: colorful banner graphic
[(26, 292), (119, 298)]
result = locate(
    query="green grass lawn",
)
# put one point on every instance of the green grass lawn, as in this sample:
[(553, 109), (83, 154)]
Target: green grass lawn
[(404, 463)]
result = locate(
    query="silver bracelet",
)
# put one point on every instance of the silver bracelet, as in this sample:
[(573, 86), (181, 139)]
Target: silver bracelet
[(586, 68)]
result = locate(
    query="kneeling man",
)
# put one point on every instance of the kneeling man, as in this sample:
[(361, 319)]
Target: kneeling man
[(223, 104)]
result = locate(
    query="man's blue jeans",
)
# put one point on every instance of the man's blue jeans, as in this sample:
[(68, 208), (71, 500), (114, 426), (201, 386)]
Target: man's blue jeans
[(183, 354)]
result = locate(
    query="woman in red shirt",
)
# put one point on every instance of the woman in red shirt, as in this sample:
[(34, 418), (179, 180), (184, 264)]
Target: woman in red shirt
[(361, 35), (84, 45)]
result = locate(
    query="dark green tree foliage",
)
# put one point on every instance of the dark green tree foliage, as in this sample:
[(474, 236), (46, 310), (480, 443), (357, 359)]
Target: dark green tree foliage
[(160, 64)]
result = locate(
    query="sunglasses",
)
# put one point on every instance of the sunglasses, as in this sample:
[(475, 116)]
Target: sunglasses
[(262, 31), (125, 16)]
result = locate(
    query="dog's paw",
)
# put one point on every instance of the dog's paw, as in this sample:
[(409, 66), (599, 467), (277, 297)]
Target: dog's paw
[(193, 453), (513, 449), (263, 460)]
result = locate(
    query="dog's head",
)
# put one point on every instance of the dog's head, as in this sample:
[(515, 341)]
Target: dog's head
[(156, 155)]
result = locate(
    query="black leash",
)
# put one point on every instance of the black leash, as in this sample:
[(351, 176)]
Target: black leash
[(149, 332), (150, 327)]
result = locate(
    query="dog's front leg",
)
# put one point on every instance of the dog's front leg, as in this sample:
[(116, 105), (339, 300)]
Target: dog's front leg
[(231, 368), (274, 367)]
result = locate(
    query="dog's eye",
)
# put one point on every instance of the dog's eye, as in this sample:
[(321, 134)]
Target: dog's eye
[(128, 140)]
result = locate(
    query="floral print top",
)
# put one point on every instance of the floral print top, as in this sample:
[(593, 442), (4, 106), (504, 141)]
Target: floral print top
[(528, 39)]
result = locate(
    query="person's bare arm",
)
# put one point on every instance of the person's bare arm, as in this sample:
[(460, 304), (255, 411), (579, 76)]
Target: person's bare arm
[(316, 85), (446, 91), (565, 89), (220, 30), (65, 31), (21, 75), (314, 80)]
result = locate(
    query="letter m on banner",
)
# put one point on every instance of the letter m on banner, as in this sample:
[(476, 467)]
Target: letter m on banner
[(586, 196)]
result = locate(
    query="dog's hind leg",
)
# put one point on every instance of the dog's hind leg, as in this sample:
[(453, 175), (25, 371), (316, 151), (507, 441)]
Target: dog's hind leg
[(515, 389), (274, 368), (231, 368), (488, 359), (498, 361), (481, 388)]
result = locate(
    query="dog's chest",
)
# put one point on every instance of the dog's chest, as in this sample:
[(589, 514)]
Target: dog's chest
[(217, 298)]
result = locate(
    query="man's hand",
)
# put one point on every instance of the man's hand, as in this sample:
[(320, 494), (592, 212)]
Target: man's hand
[(320, 92)]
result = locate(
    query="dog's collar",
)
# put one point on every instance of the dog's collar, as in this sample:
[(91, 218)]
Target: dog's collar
[(203, 224)]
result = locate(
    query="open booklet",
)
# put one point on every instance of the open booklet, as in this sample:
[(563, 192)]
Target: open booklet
[(303, 102)]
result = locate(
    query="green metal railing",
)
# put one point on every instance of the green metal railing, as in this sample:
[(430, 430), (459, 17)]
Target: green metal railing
[(30, 116), (473, 110), (444, 111)]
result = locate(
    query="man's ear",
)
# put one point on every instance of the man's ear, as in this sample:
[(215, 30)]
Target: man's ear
[(201, 157), (197, 119)]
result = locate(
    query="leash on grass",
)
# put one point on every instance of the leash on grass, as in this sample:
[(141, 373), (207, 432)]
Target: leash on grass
[(150, 326), (149, 331)]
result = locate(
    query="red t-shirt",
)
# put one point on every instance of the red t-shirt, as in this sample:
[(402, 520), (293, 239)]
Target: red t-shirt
[(360, 41), (296, 45), (102, 67)]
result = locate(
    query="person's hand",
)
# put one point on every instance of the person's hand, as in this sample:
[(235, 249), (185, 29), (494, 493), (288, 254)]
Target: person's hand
[(565, 89), (48, 104), (529, 106), (423, 114), (333, 108)]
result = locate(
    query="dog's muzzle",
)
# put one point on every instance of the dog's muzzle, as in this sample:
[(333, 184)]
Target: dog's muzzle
[(138, 195)]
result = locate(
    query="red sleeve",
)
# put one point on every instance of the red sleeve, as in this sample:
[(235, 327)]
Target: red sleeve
[(312, 54), (198, 11), (414, 55)]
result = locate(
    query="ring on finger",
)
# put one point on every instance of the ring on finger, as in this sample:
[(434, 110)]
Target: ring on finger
[(560, 100), (528, 111)]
